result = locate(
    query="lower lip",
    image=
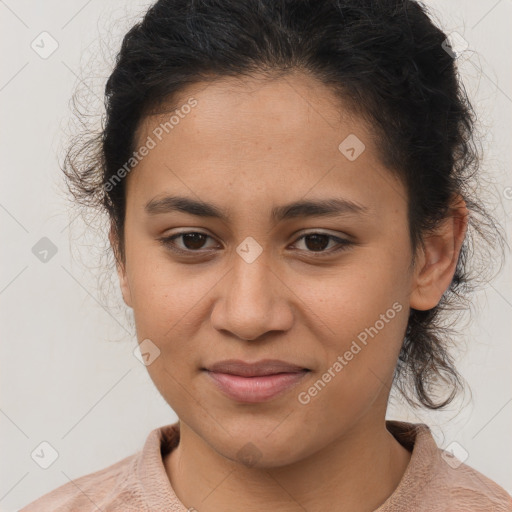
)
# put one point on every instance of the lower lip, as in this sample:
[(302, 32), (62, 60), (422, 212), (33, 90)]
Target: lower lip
[(255, 389)]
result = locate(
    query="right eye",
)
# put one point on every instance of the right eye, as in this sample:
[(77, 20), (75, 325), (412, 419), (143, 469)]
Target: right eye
[(191, 240)]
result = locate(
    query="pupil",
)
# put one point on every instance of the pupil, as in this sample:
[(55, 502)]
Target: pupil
[(316, 244), (197, 240)]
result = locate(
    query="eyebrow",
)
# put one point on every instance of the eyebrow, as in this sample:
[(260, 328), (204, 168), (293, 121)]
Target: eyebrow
[(304, 208)]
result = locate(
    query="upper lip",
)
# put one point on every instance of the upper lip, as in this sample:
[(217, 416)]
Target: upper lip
[(258, 368)]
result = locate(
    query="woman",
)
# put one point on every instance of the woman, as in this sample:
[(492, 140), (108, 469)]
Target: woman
[(239, 135)]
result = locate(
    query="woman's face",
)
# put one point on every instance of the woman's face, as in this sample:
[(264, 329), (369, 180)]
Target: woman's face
[(253, 287)]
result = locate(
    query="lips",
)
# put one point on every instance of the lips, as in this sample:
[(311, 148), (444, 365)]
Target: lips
[(255, 382), (260, 368)]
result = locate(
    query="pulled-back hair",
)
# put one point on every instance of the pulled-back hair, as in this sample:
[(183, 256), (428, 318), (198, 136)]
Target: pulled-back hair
[(385, 60)]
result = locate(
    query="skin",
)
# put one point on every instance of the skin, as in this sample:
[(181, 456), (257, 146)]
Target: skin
[(250, 145)]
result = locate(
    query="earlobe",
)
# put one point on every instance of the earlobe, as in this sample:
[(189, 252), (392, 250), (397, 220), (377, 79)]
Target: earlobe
[(121, 269), (438, 257), (124, 284)]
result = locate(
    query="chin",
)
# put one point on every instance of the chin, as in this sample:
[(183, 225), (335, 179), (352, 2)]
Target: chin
[(261, 448)]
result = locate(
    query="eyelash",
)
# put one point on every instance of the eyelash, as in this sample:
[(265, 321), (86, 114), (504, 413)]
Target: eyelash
[(168, 242)]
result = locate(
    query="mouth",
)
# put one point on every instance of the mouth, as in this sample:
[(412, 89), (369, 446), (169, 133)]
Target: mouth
[(255, 382)]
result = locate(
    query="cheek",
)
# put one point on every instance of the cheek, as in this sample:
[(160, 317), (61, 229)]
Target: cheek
[(352, 297), (360, 314), (171, 303), (163, 292), (169, 307), (358, 361)]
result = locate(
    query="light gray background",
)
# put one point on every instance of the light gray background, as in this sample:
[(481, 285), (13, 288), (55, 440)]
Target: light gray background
[(68, 375)]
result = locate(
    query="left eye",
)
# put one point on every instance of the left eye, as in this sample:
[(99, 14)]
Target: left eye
[(319, 241), (193, 242)]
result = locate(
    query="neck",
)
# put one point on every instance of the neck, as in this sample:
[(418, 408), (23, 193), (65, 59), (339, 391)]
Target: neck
[(356, 472)]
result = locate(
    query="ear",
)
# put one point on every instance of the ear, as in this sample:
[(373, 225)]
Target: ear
[(437, 259), (121, 268)]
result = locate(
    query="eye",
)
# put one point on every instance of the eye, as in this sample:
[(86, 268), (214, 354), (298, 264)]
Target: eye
[(317, 242), (194, 241)]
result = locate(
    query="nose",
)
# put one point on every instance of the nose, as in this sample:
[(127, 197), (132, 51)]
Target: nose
[(252, 301)]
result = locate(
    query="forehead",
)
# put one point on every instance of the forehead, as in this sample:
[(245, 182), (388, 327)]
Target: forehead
[(257, 136), (260, 108)]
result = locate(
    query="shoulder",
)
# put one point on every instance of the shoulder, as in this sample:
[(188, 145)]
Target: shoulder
[(112, 488), (436, 480), (134, 484), (468, 489)]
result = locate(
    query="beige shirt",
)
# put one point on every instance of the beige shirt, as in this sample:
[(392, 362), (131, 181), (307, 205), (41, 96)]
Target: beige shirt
[(433, 481)]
